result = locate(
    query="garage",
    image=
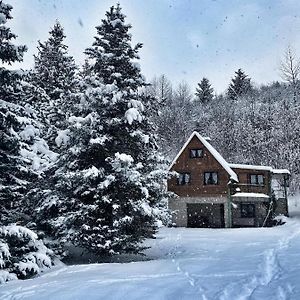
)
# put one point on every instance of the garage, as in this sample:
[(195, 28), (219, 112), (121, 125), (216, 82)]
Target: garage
[(205, 215)]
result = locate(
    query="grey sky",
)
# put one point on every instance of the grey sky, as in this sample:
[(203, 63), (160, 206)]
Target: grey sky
[(184, 39)]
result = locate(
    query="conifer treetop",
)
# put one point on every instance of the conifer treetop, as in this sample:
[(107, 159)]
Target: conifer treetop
[(54, 70), (113, 54), (204, 91), (239, 85), (9, 53), (57, 35)]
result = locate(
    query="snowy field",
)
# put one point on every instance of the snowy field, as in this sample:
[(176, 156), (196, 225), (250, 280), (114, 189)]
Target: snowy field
[(251, 263)]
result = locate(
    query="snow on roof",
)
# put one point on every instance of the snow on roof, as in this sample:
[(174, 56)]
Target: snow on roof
[(212, 150), (281, 171), (262, 168), (250, 167), (250, 195)]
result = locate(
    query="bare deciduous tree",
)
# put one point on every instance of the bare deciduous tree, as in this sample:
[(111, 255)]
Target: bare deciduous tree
[(290, 69)]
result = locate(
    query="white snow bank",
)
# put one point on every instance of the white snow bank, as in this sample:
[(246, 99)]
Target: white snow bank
[(227, 264)]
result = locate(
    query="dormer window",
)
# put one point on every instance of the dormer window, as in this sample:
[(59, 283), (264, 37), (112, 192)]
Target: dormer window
[(196, 153), (257, 179), (184, 178), (211, 178)]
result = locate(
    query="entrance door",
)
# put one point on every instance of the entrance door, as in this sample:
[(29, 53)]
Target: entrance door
[(205, 215)]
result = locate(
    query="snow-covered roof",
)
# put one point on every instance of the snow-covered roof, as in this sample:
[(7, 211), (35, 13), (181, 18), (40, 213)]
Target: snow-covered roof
[(281, 171), (250, 195), (212, 150), (260, 168), (250, 167)]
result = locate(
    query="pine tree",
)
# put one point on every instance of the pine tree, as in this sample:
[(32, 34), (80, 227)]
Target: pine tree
[(54, 73), (22, 253), (239, 85), (204, 91), (109, 186), (22, 150), (54, 70), (9, 53), (12, 183)]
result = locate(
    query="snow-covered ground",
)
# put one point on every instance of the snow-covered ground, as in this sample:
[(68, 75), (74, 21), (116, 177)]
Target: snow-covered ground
[(248, 263)]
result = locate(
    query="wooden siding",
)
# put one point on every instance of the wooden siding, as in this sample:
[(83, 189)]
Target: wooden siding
[(196, 167), (244, 181)]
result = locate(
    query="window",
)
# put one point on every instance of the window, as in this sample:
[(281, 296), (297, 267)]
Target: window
[(195, 153), (184, 178), (247, 210), (257, 179), (210, 178)]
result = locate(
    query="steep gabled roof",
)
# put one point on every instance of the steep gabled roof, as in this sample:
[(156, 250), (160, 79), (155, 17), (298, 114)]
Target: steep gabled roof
[(213, 152)]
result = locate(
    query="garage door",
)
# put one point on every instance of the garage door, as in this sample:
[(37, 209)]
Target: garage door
[(205, 215)]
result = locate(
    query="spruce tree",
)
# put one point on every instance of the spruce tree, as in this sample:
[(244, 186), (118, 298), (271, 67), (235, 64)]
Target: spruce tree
[(204, 91), (22, 150), (109, 184), (240, 85), (12, 180), (54, 73), (22, 253)]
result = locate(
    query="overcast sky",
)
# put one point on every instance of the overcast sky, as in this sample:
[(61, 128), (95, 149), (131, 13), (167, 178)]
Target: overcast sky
[(184, 39)]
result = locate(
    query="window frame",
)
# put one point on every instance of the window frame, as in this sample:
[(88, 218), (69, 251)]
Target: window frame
[(246, 216), (184, 174), (256, 179), (210, 184), (196, 149)]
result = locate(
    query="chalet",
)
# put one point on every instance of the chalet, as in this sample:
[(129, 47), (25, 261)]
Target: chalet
[(214, 193)]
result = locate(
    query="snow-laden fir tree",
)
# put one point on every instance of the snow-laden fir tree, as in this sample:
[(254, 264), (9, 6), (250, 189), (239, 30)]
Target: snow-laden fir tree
[(13, 174), (54, 73), (240, 85), (109, 186), (22, 154), (204, 91), (22, 253)]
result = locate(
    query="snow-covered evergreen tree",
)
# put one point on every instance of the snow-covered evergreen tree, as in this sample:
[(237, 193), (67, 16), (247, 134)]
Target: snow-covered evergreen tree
[(22, 151), (22, 253), (240, 85), (9, 53), (22, 154), (54, 73), (109, 185), (13, 174), (204, 91)]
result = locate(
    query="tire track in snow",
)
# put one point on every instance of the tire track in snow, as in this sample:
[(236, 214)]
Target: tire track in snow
[(270, 270)]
